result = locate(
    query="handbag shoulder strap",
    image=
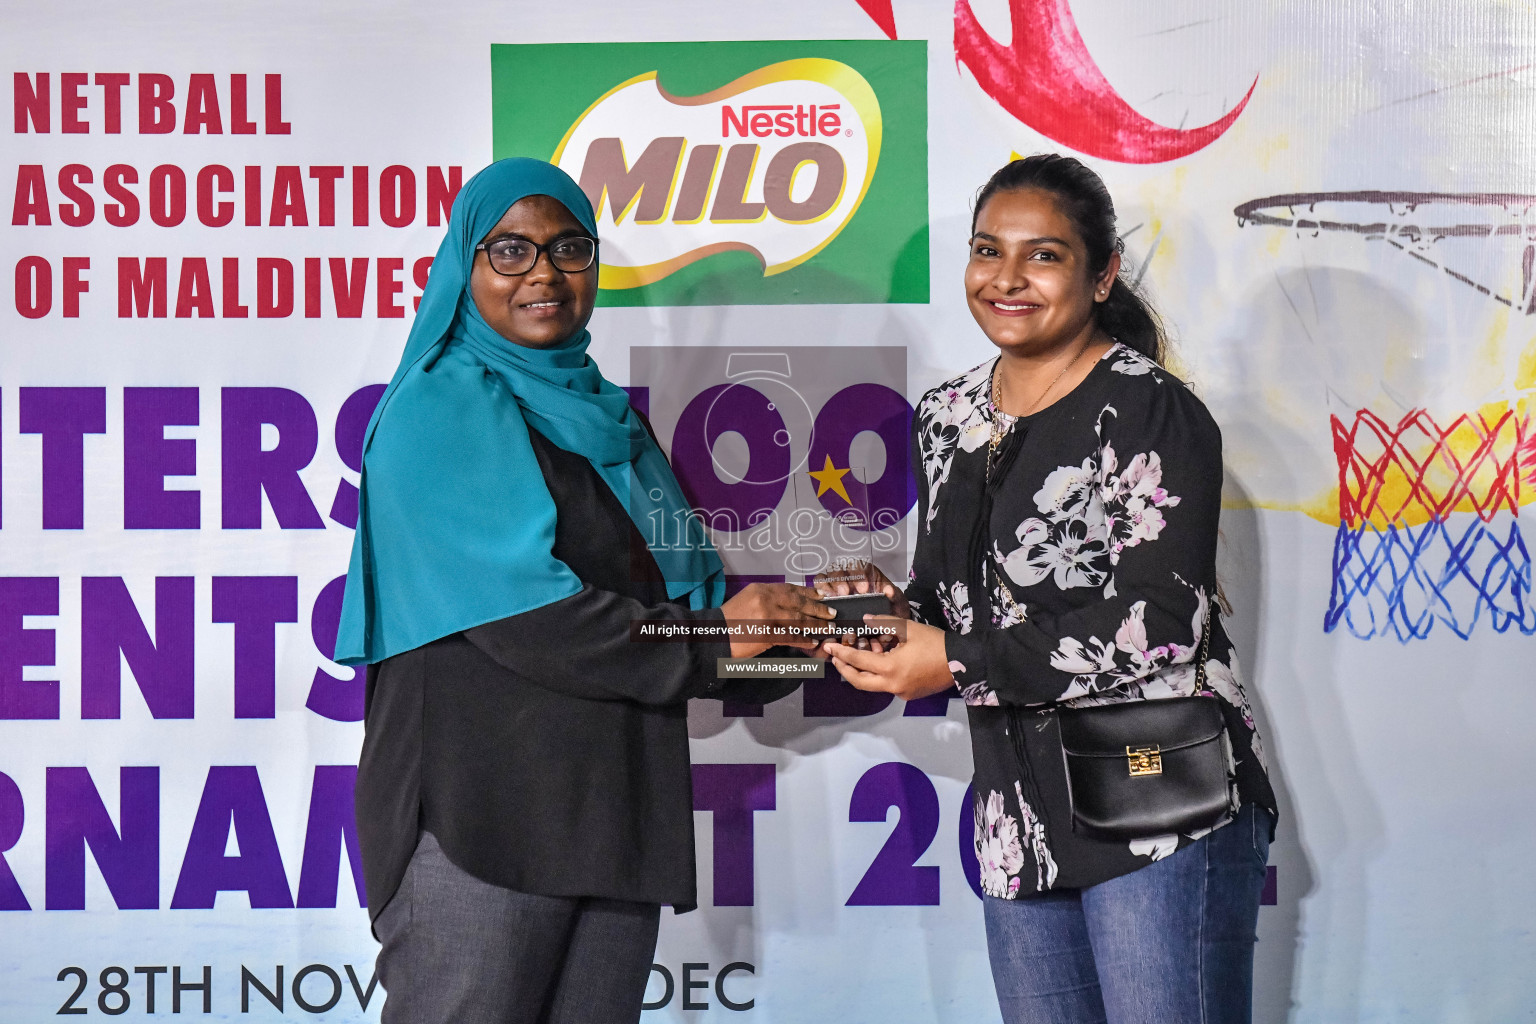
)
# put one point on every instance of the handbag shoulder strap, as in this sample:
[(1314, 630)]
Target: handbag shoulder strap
[(1205, 650)]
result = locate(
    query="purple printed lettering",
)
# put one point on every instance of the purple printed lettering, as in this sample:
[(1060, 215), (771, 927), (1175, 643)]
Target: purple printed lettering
[(149, 457), (128, 857), (232, 798), (732, 792), (251, 471), (112, 631), (22, 698), (63, 416), (332, 826), (255, 605)]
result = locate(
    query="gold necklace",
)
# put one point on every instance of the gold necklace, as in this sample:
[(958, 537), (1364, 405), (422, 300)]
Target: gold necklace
[(997, 408), (992, 444)]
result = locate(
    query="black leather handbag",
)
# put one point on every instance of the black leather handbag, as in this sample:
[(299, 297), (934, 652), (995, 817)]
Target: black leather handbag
[(1146, 767)]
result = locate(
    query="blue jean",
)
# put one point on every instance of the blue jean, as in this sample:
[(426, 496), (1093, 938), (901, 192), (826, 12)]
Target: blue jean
[(1171, 942)]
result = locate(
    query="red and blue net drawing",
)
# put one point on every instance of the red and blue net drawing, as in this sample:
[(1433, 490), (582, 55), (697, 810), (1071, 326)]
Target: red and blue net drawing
[(1429, 525)]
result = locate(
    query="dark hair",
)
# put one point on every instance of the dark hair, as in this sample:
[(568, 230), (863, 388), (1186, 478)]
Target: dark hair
[(1080, 194)]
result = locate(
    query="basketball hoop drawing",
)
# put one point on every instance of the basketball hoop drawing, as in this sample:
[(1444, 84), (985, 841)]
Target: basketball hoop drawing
[(1414, 223), (1428, 510)]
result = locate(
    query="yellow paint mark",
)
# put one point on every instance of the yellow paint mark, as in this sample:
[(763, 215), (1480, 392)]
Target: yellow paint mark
[(1266, 152), (1180, 179), (1525, 373), (1324, 506), (1167, 249), (1485, 370)]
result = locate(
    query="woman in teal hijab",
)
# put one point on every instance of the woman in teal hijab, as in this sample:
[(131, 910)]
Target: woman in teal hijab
[(524, 798)]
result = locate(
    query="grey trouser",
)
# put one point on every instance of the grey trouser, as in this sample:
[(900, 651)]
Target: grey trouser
[(459, 950)]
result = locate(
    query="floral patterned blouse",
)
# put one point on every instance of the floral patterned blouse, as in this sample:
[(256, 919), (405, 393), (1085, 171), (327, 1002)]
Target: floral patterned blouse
[(1101, 523)]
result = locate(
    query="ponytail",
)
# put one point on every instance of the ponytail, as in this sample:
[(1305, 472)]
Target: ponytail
[(1130, 320)]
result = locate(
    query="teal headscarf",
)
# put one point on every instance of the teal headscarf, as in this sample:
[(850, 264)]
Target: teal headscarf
[(455, 525)]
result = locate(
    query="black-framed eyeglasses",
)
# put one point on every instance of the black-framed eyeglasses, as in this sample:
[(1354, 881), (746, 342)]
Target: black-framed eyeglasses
[(513, 256)]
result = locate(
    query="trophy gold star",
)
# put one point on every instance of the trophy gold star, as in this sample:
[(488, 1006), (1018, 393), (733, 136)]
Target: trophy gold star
[(830, 478)]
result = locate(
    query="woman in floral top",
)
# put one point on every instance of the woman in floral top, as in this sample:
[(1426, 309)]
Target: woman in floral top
[(1069, 493)]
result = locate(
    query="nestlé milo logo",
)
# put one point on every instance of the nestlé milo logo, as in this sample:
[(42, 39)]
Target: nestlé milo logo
[(721, 177)]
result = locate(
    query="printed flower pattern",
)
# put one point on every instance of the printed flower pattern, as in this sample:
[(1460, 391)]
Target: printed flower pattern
[(955, 602), (1133, 500), (1000, 839), (1004, 612), (1034, 829), (998, 850), (955, 415), (1155, 847), (1226, 680), (978, 693), (1068, 552), (1132, 363), (1131, 667), (1089, 514)]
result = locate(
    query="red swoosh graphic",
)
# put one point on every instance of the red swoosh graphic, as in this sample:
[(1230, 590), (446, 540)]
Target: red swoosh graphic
[(884, 17), (1047, 79)]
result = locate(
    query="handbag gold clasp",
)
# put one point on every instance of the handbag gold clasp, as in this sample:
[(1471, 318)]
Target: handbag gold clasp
[(1145, 760)]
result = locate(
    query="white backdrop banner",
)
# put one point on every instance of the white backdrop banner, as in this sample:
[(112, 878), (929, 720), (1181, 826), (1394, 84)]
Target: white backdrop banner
[(222, 217)]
